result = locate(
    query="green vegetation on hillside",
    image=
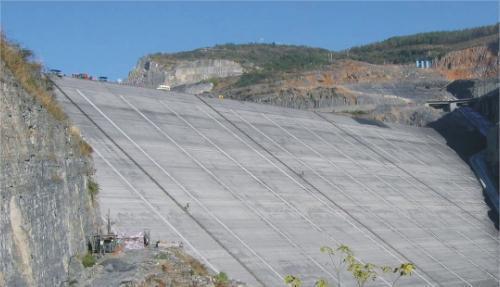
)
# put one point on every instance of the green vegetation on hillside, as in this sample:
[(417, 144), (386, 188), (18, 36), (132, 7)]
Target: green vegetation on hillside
[(20, 62), (270, 61), (261, 61), (29, 74), (406, 49), (253, 77), (265, 56)]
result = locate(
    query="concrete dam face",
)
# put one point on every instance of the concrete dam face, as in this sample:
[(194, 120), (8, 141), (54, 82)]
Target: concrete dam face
[(255, 190)]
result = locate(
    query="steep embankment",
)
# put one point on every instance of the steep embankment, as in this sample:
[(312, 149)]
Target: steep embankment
[(46, 210), (479, 62)]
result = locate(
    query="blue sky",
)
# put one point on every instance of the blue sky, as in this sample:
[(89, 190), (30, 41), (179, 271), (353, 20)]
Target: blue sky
[(107, 38)]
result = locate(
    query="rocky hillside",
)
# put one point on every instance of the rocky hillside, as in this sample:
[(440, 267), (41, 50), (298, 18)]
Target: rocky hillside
[(258, 62), (250, 61), (480, 62), (361, 78), (151, 267), (151, 72), (46, 210), (430, 45), (344, 83)]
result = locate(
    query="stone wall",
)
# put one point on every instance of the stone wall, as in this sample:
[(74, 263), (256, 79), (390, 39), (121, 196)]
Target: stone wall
[(45, 208)]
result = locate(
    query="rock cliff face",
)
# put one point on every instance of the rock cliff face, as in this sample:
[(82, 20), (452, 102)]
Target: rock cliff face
[(45, 208), (472, 63), (149, 73)]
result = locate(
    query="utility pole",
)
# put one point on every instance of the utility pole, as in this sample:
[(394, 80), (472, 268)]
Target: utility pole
[(109, 223)]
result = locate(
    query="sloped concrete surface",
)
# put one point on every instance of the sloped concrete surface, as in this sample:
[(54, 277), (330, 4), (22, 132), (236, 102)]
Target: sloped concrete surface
[(268, 186)]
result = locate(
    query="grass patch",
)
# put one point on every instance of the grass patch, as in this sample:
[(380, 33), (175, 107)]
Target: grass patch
[(221, 279), (88, 260), (93, 188), (83, 147)]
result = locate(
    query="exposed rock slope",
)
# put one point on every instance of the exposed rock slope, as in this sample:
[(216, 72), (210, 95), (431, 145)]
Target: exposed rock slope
[(45, 208), (151, 73), (471, 63), (369, 78), (152, 267), (345, 83)]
